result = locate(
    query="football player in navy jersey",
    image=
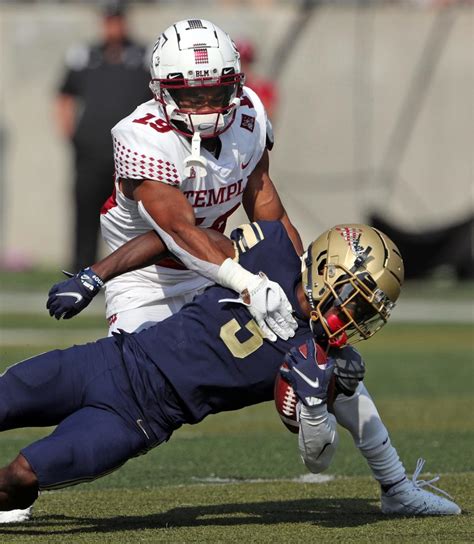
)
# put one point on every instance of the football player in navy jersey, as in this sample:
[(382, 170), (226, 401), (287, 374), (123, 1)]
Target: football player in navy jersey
[(121, 396)]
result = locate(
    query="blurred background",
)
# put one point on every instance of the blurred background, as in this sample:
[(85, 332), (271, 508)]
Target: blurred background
[(372, 103)]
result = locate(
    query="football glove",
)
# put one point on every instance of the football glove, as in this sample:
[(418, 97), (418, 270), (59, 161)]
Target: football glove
[(310, 380), (349, 369), (69, 297), (269, 306)]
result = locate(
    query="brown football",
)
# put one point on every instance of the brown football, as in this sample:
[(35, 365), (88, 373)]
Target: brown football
[(285, 398)]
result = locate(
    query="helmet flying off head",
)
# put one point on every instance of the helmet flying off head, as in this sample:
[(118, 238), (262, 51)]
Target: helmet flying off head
[(196, 79), (352, 276)]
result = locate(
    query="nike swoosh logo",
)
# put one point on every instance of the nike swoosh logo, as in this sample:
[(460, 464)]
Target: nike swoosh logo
[(244, 165), (312, 383), (77, 296)]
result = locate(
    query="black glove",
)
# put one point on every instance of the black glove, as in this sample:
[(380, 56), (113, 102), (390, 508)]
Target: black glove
[(69, 297), (310, 381), (349, 369)]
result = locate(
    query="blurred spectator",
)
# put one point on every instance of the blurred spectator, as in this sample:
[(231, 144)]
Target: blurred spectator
[(103, 82), (265, 88)]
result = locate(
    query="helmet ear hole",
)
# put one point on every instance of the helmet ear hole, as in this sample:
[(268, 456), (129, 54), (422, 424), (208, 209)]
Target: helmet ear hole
[(321, 266)]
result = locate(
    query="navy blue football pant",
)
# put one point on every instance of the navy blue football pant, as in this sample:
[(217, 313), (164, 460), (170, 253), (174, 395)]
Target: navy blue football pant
[(86, 392)]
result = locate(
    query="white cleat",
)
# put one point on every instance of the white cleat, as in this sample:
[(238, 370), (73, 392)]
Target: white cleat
[(409, 499), (15, 516)]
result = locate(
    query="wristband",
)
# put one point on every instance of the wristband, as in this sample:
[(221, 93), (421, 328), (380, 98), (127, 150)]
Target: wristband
[(234, 276), (90, 280)]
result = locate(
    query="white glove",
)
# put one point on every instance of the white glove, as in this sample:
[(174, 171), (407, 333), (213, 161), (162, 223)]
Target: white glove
[(265, 300)]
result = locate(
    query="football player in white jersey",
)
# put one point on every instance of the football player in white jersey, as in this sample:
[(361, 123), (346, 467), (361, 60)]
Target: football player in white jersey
[(187, 159)]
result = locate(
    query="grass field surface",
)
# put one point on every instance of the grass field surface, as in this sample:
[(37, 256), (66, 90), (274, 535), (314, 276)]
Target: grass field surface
[(238, 477)]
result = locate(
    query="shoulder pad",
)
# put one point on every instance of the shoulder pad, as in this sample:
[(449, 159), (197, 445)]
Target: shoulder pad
[(138, 154), (246, 236)]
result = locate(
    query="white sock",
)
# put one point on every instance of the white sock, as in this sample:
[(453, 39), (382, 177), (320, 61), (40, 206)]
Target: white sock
[(360, 417)]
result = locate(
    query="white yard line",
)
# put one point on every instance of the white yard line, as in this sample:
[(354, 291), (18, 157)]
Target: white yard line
[(303, 479)]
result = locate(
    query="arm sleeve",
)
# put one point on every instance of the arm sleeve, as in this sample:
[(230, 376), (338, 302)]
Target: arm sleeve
[(209, 270), (318, 437)]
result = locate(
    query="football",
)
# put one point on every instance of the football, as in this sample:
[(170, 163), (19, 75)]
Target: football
[(286, 400)]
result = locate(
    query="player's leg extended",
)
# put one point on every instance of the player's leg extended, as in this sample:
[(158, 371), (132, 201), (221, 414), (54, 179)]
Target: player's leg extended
[(360, 417), (90, 443), (400, 495), (43, 390)]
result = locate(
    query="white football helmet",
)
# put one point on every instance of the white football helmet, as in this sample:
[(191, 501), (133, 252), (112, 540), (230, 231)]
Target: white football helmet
[(196, 55)]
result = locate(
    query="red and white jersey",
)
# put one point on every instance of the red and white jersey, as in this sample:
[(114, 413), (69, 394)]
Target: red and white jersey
[(145, 148)]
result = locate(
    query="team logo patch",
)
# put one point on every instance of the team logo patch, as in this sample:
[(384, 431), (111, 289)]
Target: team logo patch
[(247, 122), (201, 56), (352, 237)]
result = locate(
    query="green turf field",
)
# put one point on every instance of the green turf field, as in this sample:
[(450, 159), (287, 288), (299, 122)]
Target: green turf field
[(234, 477)]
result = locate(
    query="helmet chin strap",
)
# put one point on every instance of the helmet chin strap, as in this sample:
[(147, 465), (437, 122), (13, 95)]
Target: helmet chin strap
[(195, 163)]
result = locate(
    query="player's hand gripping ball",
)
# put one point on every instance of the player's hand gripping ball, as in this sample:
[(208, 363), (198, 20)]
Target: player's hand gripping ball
[(312, 382)]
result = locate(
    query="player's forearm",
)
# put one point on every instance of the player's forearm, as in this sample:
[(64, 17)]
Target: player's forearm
[(201, 254), (293, 234), (188, 243), (142, 251), (192, 240), (275, 212)]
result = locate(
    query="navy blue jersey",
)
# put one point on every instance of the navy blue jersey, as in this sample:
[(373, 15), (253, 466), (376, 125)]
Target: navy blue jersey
[(212, 353)]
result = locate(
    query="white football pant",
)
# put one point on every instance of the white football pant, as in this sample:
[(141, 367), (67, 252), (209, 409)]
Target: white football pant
[(137, 319)]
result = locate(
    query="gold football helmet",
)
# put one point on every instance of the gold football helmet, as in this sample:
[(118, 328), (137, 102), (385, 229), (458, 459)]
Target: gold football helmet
[(352, 275)]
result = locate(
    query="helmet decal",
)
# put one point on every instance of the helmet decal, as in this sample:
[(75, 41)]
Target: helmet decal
[(201, 56), (352, 236)]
